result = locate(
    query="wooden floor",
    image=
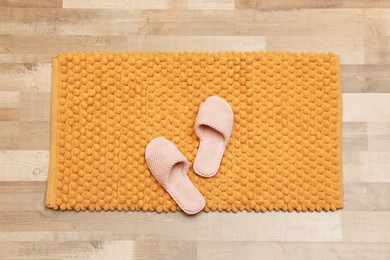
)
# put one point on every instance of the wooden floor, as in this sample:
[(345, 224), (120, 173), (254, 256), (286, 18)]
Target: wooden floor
[(32, 31)]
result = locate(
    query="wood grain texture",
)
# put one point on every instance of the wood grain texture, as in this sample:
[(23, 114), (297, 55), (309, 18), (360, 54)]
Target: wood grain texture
[(26, 77), (27, 3), (80, 250), (366, 78), (107, 4), (153, 4), (379, 136), (366, 226), (70, 21), (368, 107), (24, 165), (288, 250), (280, 4), (272, 250), (31, 32)]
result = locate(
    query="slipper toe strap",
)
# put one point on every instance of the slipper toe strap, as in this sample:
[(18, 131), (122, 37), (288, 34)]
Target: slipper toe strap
[(216, 116), (161, 158)]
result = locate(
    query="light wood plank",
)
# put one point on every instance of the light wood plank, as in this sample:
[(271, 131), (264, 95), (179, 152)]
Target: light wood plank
[(201, 43), (50, 44), (298, 22), (18, 196), (301, 22), (204, 28), (27, 3), (376, 19), (367, 196), (374, 166), (35, 106), (154, 4), (368, 107), (124, 22), (377, 50), (24, 165), (355, 136), (25, 58), (280, 4), (351, 166), (270, 226), (9, 114), (368, 227), (9, 135), (9, 129), (165, 250), (366, 166), (68, 250), (366, 78), (159, 22), (25, 77), (286, 250), (9, 99), (69, 22), (34, 135), (148, 28), (379, 136), (210, 4), (139, 225), (205, 22), (107, 235), (124, 4)]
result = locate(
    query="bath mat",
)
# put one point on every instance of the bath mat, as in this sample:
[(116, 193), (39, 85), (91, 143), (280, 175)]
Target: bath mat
[(285, 152)]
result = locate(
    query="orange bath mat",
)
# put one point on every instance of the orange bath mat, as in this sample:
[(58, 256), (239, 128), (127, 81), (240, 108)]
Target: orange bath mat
[(285, 152)]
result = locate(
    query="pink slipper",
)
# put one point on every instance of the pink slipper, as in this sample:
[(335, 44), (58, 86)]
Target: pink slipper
[(170, 167), (213, 126)]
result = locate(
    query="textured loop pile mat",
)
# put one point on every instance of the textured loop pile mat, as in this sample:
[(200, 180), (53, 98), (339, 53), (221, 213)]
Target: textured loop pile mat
[(285, 152)]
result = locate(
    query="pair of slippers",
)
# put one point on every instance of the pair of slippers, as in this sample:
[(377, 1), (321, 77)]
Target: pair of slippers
[(169, 166)]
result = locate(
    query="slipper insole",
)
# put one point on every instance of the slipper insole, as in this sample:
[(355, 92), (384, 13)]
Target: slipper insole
[(183, 191), (210, 152)]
